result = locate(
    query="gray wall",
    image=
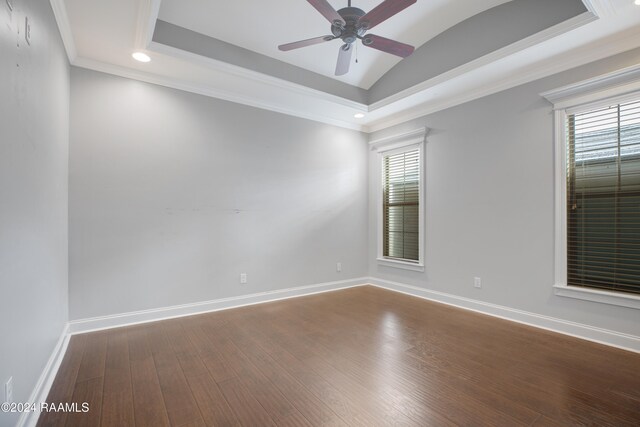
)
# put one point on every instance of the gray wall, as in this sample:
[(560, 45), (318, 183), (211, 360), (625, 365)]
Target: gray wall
[(490, 203), (173, 195), (34, 126)]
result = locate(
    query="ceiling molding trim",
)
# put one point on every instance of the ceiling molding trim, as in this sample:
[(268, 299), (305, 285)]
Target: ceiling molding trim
[(600, 7), (64, 26), (148, 11), (534, 39), (254, 75), (173, 83), (625, 42)]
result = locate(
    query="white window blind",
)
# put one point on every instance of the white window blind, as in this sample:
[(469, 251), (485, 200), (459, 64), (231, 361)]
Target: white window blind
[(603, 198), (401, 205)]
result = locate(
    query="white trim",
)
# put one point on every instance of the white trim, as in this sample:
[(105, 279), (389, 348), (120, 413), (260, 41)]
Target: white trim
[(560, 218), (597, 295), (609, 89), (541, 70), (148, 12), (395, 141), (532, 40), (41, 390), (599, 7), (256, 76), (62, 19), (605, 103), (153, 315), (617, 83), (565, 327), (396, 263), (390, 145), (173, 83)]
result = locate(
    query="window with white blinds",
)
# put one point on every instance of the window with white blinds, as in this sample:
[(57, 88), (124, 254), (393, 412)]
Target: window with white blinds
[(603, 198), (401, 205)]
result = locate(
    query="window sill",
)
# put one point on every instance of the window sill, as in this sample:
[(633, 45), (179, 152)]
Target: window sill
[(595, 295), (400, 264)]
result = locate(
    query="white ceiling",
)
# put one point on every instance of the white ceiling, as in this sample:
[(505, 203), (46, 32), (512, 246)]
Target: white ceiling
[(261, 26), (101, 35)]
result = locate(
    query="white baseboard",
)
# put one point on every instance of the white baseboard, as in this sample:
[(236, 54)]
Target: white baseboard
[(41, 390), (125, 319), (578, 330)]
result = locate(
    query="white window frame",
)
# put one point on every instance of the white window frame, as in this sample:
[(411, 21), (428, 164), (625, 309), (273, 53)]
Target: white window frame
[(613, 88), (394, 145)]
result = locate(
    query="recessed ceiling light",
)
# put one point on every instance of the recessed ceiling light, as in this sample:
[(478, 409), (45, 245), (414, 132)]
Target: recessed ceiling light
[(142, 57), (637, 2), (360, 115)]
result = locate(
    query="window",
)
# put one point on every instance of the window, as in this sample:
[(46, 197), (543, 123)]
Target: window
[(603, 198), (401, 205), (400, 164), (597, 188)]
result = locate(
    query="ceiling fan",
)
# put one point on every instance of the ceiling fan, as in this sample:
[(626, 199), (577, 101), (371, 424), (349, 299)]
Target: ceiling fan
[(350, 24)]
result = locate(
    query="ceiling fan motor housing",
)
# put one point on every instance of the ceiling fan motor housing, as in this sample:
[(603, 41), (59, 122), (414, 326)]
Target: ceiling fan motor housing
[(350, 32)]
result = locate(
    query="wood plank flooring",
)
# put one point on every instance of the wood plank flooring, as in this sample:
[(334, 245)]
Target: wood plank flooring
[(357, 357)]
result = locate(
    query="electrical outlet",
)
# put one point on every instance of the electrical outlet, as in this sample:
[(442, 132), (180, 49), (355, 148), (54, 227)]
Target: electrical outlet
[(339, 267), (243, 278), (8, 391), (477, 282)]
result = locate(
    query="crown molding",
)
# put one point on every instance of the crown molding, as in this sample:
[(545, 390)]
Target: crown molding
[(425, 98), (64, 26), (254, 76), (585, 55), (600, 7), (511, 49), (173, 83), (148, 12), (532, 40)]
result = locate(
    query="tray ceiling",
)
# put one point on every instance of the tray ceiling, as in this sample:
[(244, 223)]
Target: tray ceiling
[(228, 50)]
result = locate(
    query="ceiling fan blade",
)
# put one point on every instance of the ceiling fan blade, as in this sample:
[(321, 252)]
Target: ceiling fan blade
[(387, 45), (384, 11), (344, 60), (328, 11), (304, 43)]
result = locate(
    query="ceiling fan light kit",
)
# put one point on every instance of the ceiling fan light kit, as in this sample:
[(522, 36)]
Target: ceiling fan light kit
[(350, 24)]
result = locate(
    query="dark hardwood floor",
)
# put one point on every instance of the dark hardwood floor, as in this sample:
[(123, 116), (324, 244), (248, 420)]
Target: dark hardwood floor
[(361, 356)]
